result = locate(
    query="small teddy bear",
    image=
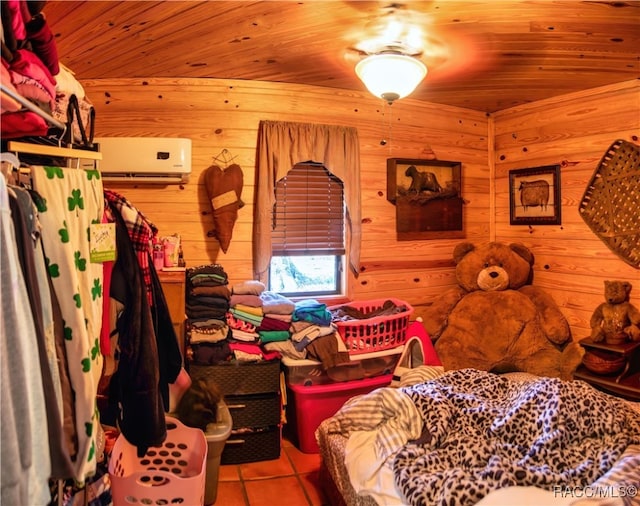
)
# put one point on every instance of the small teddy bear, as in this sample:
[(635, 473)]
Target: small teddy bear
[(616, 320)]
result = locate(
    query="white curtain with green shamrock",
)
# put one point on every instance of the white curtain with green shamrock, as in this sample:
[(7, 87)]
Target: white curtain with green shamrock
[(73, 200)]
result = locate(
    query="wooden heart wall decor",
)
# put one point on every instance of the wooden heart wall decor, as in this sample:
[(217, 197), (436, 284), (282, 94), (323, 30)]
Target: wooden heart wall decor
[(224, 188)]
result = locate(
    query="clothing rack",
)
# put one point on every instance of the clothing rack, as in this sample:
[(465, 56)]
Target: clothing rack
[(40, 149), (69, 154)]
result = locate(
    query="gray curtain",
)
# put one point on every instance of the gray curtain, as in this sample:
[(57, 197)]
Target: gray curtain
[(281, 145)]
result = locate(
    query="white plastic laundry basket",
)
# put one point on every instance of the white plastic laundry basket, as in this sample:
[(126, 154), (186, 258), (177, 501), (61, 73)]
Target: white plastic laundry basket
[(173, 473)]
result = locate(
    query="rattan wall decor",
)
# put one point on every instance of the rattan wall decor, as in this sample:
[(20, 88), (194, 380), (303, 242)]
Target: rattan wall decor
[(611, 203)]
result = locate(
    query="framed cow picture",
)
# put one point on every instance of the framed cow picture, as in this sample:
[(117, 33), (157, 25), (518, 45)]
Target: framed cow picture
[(427, 196), (534, 196)]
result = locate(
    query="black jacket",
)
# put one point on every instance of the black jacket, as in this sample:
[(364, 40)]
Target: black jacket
[(149, 356)]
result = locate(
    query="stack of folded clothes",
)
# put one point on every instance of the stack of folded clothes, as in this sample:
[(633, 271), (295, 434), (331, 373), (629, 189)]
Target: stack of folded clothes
[(206, 307), (311, 334), (245, 310), (247, 322), (251, 326), (312, 331), (276, 323)]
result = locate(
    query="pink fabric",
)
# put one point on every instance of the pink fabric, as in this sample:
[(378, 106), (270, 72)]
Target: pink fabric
[(269, 323), (21, 124), (24, 9), (43, 43), (255, 349), (17, 20), (246, 299), (30, 88), (237, 324), (416, 328), (8, 103), (107, 270), (27, 64)]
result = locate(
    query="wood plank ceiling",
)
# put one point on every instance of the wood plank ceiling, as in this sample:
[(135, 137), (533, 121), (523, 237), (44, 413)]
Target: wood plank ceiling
[(482, 55)]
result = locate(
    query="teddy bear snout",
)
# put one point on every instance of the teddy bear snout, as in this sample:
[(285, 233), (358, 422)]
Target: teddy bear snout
[(493, 278)]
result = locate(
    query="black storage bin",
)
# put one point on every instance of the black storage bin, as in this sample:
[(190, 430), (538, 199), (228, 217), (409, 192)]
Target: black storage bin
[(252, 394), (241, 378), (252, 446), (261, 410)]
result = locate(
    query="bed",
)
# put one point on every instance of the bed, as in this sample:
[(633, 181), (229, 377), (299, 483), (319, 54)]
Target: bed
[(472, 437)]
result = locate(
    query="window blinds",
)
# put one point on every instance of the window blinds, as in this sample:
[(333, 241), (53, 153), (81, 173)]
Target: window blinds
[(309, 213)]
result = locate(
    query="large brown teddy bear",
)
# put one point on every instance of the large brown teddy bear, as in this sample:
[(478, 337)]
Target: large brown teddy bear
[(495, 320)]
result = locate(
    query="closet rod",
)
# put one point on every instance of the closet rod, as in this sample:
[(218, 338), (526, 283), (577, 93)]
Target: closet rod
[(33, 108), (41, 149)]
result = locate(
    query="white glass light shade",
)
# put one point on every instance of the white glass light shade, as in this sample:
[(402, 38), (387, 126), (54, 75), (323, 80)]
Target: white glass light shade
[(391, 76)]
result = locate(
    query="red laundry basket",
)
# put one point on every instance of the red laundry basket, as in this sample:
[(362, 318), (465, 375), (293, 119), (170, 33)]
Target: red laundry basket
[(374, 334)]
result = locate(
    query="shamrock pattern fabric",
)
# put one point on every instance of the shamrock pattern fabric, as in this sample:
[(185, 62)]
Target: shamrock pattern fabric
[(72, 200)]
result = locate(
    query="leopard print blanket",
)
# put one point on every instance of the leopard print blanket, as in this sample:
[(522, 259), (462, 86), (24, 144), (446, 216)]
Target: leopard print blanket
[(483, 432)]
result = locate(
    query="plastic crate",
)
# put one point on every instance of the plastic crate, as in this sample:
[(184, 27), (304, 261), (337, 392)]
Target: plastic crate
[(364, 365), (377, 333), (173, 473), (252, 445)]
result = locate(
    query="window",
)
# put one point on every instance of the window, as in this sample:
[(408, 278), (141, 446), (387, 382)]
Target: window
[(281, 145), (308, 233)]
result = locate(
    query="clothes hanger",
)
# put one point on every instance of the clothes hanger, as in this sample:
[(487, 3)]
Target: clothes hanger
[(9, 163)]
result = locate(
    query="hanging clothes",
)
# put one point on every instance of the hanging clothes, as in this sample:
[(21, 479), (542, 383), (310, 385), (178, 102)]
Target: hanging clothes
[(73, 200), (149, 356), (141, 232), (27, 237), (141, 235), (26, 464), (58, 329)]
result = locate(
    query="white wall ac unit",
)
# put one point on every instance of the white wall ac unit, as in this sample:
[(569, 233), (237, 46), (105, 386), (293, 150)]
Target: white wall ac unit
[(159, 160)]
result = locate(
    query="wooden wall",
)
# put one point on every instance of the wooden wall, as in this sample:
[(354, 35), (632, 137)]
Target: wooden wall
[(223, 114), (572, 130), (575, 130)]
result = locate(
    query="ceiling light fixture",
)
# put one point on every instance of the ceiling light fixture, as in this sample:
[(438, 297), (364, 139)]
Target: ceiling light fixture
[(390, 74)]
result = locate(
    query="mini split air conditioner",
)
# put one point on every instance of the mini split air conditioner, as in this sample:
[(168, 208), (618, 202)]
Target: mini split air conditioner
[(158, 160)]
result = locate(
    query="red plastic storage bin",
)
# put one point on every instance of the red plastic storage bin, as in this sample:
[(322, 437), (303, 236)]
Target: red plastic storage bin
[(308, 406)]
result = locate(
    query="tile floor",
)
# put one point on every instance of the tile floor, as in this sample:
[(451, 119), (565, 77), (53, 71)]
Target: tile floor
[(291, 480)]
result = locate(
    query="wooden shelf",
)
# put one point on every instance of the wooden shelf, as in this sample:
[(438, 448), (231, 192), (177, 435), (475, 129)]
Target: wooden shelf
[(39, 149), (624, 349), (625, 384), (628, 387), (174, 285)]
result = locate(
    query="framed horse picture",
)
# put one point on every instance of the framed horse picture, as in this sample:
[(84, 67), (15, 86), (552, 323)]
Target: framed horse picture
[(427, 197)]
